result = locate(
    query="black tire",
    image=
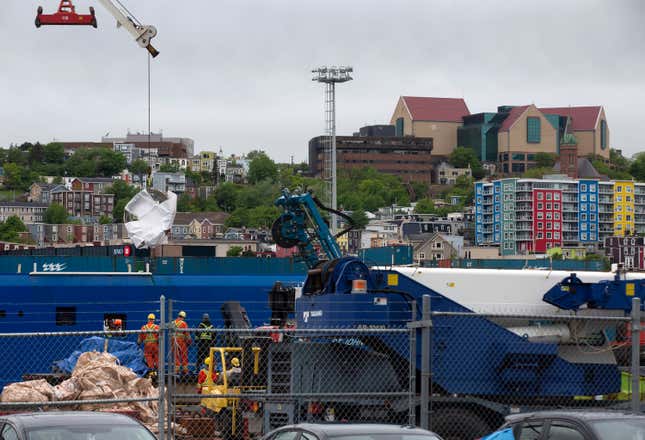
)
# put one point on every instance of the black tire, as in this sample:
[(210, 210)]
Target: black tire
[(37, 22), (458, 424), (40, 10), (94, 23), (92, 12)]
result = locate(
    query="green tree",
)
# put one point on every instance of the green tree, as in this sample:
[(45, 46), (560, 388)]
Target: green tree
[(55, 214), (238, 218), (545, 160), (261, 167), (424, 206), (36, 154), (185, 204), (54, 153), (234, 251), (618, 161), (140, 168), (119, 210), (105, 219), (10, 229), (95, 162), (262, 216), (605, 169), (360, 219), (169, 168), (226, 196), (18, 177), (537, 173), (637, 167), (122, 195), (462, 157)]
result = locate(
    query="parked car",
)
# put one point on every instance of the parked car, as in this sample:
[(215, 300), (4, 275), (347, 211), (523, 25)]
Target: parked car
[(72, 425), (349, 431), (572, 425)]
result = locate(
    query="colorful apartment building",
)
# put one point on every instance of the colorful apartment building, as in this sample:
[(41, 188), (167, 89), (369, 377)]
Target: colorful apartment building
[(533, 215)]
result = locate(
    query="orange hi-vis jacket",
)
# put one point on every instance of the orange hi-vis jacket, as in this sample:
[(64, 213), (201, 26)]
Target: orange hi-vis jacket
[(151, 335), (182, 336)]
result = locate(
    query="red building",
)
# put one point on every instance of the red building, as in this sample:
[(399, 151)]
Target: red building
[(547, 219)]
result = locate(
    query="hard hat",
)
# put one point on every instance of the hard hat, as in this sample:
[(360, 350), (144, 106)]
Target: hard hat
[(205, 316), (117, 321), (235, 362), (182, 314), (207, 361), (152, 316)]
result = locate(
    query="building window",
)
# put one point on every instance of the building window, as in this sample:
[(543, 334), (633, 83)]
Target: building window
[(549, 225), (399, 127), (549, 235), (533, 130), (540, 206), (603, 134), (540, 235), (540, 225), (556, 235), (549, 196), (556, 206), (548, 206), (556, 216)]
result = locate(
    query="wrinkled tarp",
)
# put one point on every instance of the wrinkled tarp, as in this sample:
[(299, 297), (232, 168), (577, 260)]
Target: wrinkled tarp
[(128, 353), (97, 376), (152, 219)]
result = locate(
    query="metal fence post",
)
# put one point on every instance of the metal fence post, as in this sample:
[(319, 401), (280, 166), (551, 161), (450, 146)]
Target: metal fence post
[(413, 368), (171, 374), (425, 363), (636, 354), (161, 366)]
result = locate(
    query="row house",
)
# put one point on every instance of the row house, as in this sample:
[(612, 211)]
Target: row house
[(109, 233), (95, 185), (204, 162), (198, 225), (28, 212), (628, 251), (67, 234), (84, 203), (40, 192)]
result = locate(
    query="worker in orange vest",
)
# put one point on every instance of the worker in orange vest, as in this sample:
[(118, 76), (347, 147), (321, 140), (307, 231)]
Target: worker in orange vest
[(150, 340), (180, 342)]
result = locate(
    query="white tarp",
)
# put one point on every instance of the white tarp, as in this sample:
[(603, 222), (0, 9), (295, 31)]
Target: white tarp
[(153, 219)]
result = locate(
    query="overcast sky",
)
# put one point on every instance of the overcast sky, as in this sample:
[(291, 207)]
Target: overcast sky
[(236, 73)]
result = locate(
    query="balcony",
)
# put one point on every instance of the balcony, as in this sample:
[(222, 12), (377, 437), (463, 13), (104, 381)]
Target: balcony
[(524, 218), (524, 198), (568, 198), (570, 228), (524, 227)]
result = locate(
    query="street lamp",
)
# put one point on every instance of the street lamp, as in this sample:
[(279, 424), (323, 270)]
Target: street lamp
[(330, 75)]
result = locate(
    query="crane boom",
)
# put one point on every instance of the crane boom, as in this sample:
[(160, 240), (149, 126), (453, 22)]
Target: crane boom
[(143, 34)]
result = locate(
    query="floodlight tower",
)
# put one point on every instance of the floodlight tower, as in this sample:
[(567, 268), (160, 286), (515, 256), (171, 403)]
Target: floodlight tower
[(331, 75)]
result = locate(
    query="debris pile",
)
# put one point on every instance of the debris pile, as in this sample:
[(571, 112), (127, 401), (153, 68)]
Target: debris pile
[(96, 376)]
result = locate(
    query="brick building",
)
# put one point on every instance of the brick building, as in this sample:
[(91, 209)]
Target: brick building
[(85, 198), (406, 157)]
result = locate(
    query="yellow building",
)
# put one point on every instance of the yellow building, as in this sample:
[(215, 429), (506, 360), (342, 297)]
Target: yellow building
[(624, 221), (437, 118)]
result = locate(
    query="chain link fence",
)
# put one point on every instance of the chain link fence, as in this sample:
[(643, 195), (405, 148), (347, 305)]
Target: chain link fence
[(458, 373)]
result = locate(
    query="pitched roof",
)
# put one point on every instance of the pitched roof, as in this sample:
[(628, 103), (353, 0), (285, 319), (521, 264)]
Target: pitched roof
[(436, 109), (184, 218), (586, 169), (513, 116), (582, 118), (96, 179)]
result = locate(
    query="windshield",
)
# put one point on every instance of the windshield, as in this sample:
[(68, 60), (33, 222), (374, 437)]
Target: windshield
[(90, 432), (622, 429), (386, 437)]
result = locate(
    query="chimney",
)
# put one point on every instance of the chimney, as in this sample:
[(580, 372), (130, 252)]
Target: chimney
[(569, 160)]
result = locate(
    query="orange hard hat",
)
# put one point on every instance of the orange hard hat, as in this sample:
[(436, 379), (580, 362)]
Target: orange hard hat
[(117, 321)]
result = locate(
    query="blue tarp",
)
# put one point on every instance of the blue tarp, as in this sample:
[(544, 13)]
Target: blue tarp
[(506, 434), (128, 353)]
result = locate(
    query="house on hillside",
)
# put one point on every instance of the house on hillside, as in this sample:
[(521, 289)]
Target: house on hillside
[(198, 225), (439, 247)]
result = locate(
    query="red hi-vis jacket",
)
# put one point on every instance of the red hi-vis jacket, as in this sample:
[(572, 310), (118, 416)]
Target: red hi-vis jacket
[(151, 335)]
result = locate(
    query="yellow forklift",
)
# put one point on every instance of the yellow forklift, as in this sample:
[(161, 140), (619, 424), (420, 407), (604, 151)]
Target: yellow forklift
[(228, 364)]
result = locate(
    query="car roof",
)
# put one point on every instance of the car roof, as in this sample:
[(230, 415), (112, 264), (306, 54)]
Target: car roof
[(335, 429), (582, 415), (66, 418)]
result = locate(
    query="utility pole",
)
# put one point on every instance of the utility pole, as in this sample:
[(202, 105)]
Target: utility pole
[(330, 76)]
